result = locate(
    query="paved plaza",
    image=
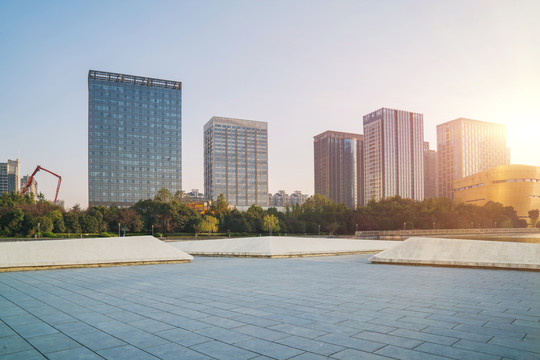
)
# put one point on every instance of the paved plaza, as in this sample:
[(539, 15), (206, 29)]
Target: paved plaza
[(338, 307)]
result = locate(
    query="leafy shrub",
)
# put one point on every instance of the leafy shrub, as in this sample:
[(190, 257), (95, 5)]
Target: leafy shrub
[(106, 234)]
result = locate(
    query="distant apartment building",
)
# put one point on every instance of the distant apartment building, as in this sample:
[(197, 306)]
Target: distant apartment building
[(194, 194), (32, 189), (281, 198), (236, 161), (134, 137), (297, 198), (393, 154), (10, 176), (430, 172), (338, 167), (466, 147)]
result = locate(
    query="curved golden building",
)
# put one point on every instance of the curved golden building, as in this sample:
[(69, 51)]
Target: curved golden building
[(511, 185)]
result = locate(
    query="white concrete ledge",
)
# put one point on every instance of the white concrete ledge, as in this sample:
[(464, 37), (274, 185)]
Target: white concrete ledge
[(462, 253), (281, 246), (28, 255)]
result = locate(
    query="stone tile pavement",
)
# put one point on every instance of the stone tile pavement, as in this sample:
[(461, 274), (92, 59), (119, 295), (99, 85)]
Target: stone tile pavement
[(339, 307)]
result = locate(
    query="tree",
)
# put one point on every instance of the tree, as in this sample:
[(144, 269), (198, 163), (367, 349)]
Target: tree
[(209, 224), (131, 220), (220, 206), (71, 220), (533, 215), (11, 223), (254, 217), (57, 221), (164, 195), (333, 227), (181, 197), (270, 223)]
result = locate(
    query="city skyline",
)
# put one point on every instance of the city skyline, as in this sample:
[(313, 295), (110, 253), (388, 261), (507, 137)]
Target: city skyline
[(302, 78)]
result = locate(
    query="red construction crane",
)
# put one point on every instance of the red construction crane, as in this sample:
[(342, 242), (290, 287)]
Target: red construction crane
[(32, 179)]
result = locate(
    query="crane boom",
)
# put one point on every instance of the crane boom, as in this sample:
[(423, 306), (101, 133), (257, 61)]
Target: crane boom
[(29, 182)]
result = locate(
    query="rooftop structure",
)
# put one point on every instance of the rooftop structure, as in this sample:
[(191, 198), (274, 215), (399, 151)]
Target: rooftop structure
[(282, 246), (462, 253), (75, 253), (134, 137)]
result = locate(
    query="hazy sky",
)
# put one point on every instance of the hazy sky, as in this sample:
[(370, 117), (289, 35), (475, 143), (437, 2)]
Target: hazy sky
[(303, 66)]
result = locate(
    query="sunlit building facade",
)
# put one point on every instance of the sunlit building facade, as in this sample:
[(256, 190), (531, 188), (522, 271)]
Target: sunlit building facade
[(511, 185), (393, 154), (339, 167), (466, 147), (430, 172), (236, 161), (134, 137), (10, 176)]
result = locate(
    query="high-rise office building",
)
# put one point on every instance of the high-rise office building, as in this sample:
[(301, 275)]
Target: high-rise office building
[(339, 167), (134, 137), (236, 161), (430, 172), (466, 147), (393, 154), (10, 176)]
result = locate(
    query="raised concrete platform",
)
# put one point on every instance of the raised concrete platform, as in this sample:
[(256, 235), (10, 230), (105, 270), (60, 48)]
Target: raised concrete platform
[(462, 253), (281, 247), (92, 252)]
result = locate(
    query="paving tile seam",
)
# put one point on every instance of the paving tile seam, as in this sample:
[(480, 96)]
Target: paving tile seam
[(212, 298), (497, 345), (24, 339)]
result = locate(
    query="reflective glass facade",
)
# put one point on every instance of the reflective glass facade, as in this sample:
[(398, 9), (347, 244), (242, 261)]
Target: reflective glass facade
[(466, 147), (236, 161), (134, 137)]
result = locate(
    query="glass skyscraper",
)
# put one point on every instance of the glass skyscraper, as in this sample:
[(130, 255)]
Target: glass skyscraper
[(236, 161), (134, 137)]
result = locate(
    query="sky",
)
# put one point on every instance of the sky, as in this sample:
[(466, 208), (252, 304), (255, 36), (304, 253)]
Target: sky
[(303, 66)]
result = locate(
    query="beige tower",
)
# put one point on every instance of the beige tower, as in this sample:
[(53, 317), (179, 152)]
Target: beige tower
[(393, 154), (466, 147), (236, 161), (10, 176)]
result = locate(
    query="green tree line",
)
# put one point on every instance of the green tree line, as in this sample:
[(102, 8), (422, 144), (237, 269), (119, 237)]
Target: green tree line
[(168, 213)]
